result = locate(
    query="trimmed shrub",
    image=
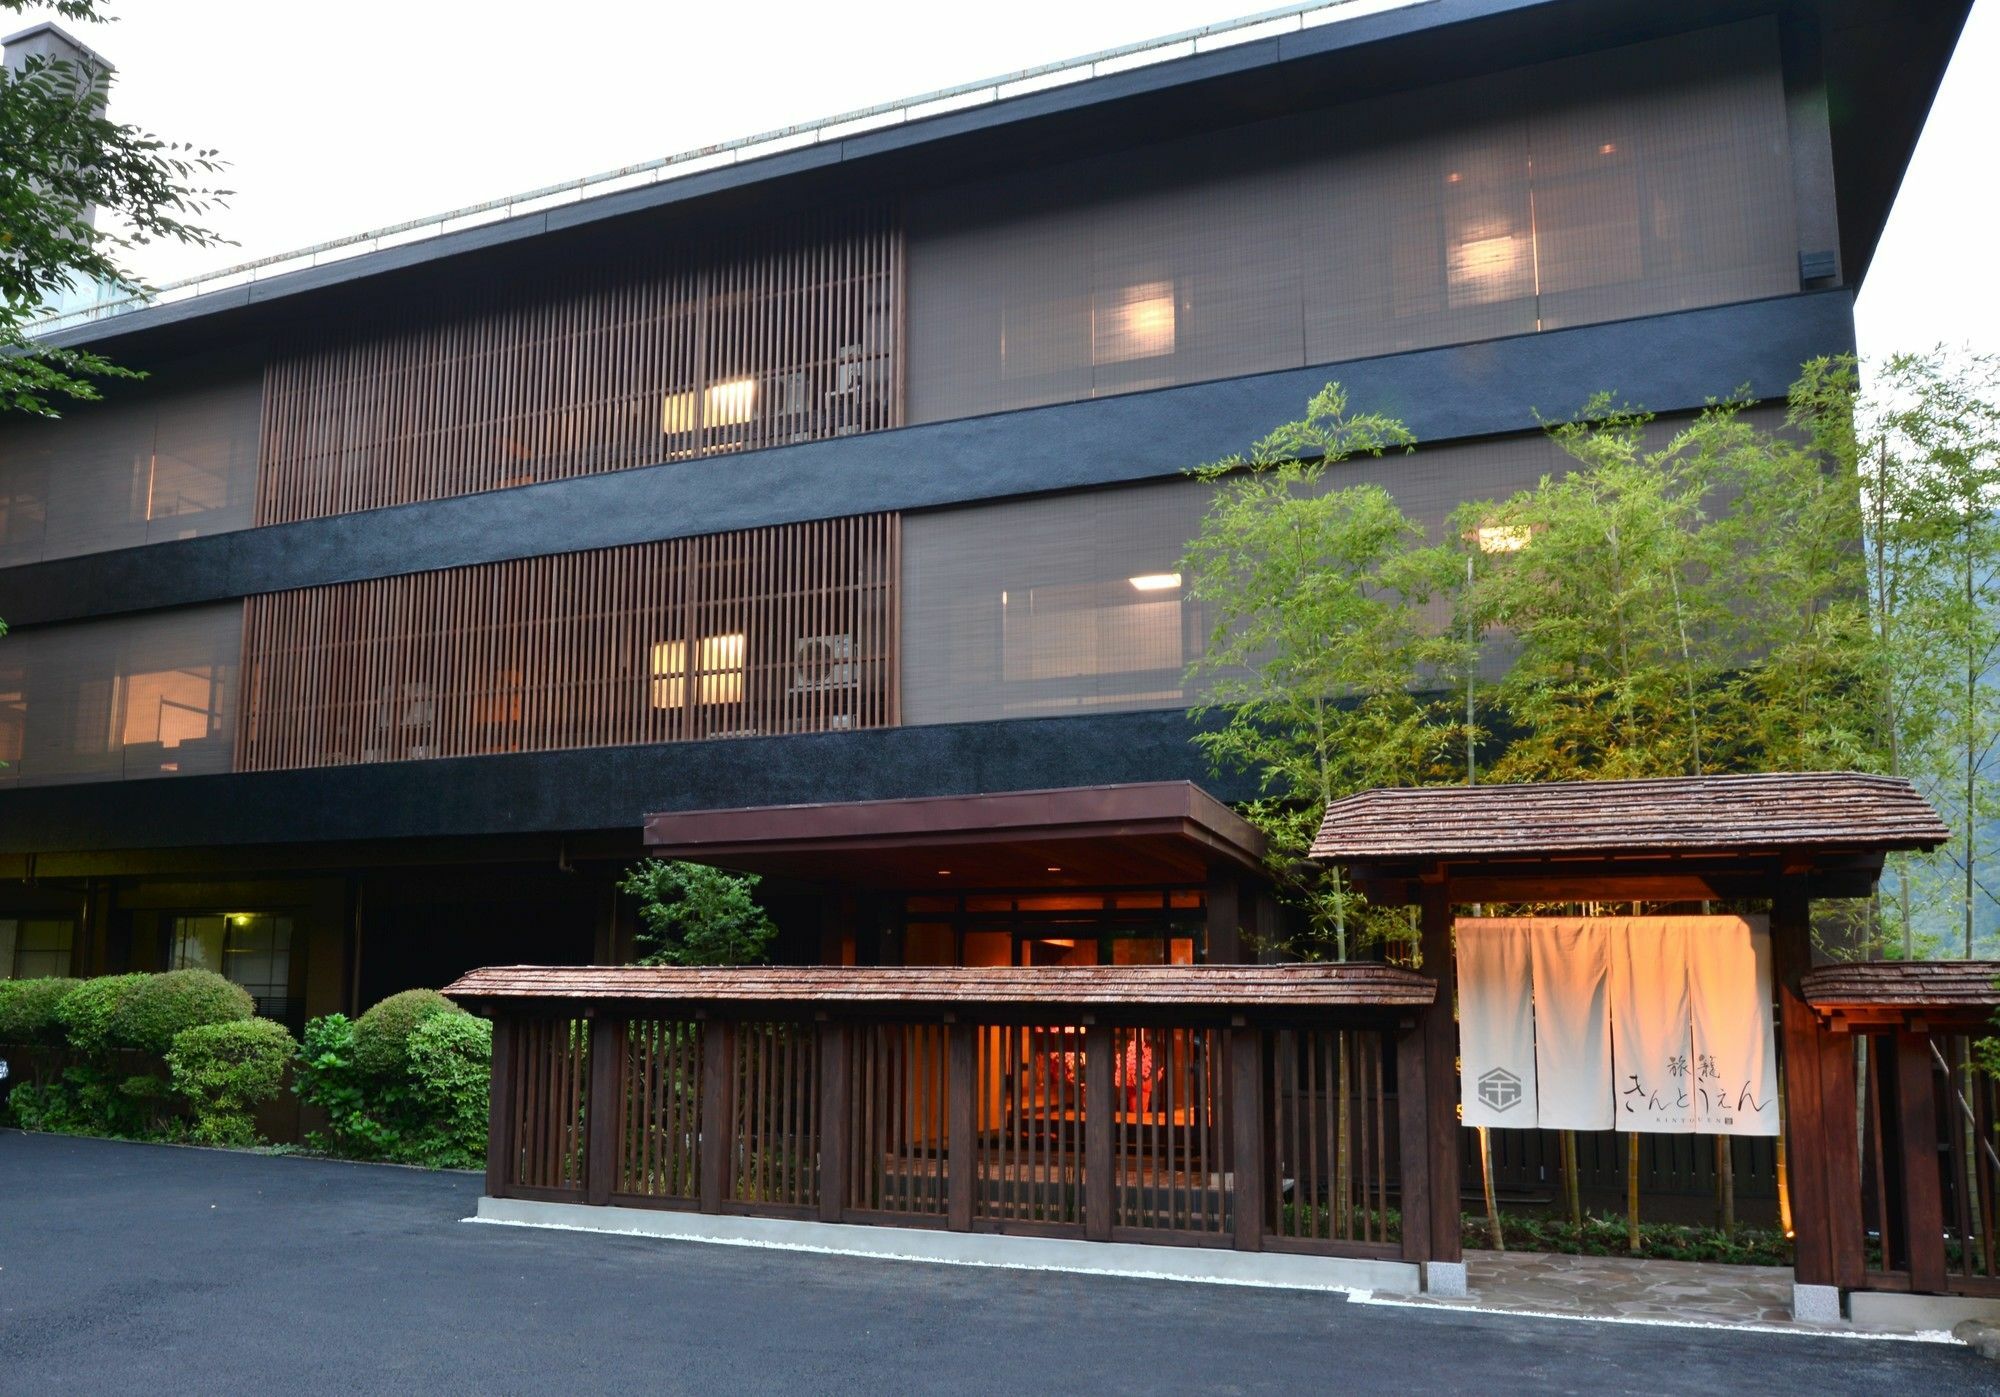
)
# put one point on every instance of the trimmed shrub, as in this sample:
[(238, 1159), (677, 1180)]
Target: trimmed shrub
[(324, 1075), (382, 1035), (89, 1012), (163, 1006), (224, 1071), (451, 1069), (28, 1011)]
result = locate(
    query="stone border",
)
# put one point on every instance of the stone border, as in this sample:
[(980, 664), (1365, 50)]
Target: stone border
[(1281, 1270)]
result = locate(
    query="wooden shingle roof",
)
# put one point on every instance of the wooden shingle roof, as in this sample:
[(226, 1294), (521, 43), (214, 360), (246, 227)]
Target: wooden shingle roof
[(1965, 992), (1770, 813), (1317, 986)]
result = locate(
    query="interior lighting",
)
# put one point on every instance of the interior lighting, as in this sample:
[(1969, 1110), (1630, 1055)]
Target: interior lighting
[(1137, 323), (1502, 538), (1156, 581)]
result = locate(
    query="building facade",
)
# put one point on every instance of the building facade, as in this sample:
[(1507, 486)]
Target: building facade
[(819, 514)]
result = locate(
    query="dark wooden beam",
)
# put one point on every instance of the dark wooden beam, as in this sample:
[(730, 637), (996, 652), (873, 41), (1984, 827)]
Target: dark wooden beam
[(835, 1119), (504, 1107), (1246, 1127), (602, 1110), (1099, 1194), (718, 1128), (963, 1146)]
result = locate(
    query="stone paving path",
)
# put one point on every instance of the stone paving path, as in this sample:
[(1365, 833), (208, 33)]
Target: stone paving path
[(1616, 1287)]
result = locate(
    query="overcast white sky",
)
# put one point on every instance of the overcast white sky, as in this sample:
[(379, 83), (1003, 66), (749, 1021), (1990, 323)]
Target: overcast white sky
[(346, 117)]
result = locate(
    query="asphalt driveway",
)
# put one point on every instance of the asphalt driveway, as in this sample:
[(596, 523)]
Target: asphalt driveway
[(138, 1268)]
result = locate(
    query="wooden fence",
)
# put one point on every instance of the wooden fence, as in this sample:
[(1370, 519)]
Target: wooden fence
[(1919, 1195), (1192, 1131)]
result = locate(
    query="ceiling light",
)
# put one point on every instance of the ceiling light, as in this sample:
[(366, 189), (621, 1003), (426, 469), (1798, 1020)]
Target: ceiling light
[(1054, 868), (944, 873), (1157, 581)]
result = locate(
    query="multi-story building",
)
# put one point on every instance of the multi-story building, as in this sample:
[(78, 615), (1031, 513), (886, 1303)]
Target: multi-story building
[(815, 508)]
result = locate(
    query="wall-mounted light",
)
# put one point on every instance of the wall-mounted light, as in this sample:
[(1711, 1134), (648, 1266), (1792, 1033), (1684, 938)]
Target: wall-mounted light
[(1134, 322), (1156, 581)]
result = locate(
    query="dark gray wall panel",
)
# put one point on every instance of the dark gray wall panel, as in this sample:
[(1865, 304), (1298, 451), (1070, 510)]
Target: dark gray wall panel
[(1664, 362), (609, 788)]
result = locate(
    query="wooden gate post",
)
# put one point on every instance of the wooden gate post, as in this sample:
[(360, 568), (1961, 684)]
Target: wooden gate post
[(1805, 1142), (1247, 1110), (503, 1107), (1440, 1032), (718, 1125), (1099, 1067), (1923, 1193), (836, 1120), (1413, 1138), (962, 1144), (601, 1109)]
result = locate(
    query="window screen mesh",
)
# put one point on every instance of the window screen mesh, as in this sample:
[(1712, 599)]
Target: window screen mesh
[(170, 457), (1643, 180), (150, 695), (1072, 603)]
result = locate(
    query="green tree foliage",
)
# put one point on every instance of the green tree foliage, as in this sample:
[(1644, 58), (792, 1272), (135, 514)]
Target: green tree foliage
[(1322, 666), (691, 914), (60, 155), (224, 1072)]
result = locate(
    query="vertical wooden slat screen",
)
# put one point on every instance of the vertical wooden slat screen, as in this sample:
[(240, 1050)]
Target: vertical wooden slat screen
[(1031, 1126), (1167, 1150), (899, 1105), (551, 1076), (659, 1104), (784, 629), (774, 1105), (1328, 1177), (760, 337)]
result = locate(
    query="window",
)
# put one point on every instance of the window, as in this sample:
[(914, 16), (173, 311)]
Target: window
[(718, 673), (1134, 926), (35, 948), (251, 949)]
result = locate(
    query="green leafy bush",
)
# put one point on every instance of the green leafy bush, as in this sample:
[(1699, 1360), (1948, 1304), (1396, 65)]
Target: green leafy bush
[(224, 1071), (89, 1099), (163, 1006), (89, 1013), (451, 1067), (427, 1108), (382, 1035), (28, 1011)]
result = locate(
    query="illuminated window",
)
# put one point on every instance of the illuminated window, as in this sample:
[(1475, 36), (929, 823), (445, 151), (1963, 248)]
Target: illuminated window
[(718, 671), (1136, 322), (727, 404), (251, 949), (168, 707)]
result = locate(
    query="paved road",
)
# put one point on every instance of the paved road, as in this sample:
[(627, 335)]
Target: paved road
[(139, 1268)]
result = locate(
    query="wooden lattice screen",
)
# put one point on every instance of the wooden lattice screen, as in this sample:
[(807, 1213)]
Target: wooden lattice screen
[(778, 630), (772, 335)]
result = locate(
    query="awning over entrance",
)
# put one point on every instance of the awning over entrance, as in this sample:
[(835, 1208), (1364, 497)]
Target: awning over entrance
[(1673, 837), (1161, 832)]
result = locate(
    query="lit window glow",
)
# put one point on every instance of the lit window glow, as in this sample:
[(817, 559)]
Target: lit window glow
[(1157, 581), (1502, 538), (727, 404), (718, 673), (1135, 323)]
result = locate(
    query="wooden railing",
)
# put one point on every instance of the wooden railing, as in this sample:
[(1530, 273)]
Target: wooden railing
[(1919, 1213), (1196, 1130)]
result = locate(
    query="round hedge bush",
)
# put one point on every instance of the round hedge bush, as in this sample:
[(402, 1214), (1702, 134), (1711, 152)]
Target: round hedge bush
[(224, 1071), (28, 1011), (89, 1012), (382, 1035), (165, 1005)]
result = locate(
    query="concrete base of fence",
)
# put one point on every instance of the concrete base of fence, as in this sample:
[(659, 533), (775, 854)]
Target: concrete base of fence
[(1279, 1269), (1889, 1312), (1446, 1278), (1815, 1304)]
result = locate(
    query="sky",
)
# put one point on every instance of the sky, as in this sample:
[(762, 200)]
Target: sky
[(338, 119)]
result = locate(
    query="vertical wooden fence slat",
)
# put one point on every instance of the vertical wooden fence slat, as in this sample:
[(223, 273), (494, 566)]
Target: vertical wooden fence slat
[(1247, 1133), (1100, 1193), (718, 1135), (602, 1113), (836, 1040), (963, 1148)]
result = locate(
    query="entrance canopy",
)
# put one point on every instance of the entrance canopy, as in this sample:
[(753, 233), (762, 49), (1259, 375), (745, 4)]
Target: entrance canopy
[(1921, 996), (1161, 832), (1672, 838)]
